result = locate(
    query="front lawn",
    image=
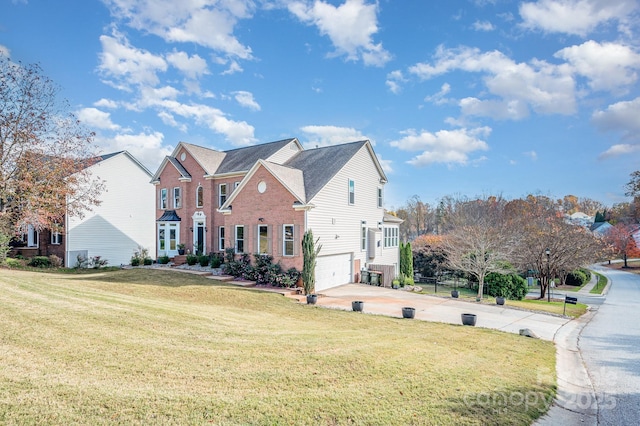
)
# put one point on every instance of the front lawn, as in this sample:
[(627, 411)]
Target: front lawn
[(163, 347)]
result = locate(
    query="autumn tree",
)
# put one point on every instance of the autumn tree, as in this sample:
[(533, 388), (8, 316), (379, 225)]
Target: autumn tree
[(429, 258), (44, 153), (478, 242), (547, 245), (621, 241)]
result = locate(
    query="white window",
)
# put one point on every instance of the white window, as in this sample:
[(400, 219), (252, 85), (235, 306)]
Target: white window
[(222, 194), (31, 238), (200, 197), (56, 238), (236, 184), (363, 236), (391, 236), (221, 238), (352, 191), (263, 239), (177, 198), (379, 197), (163, 199), (239, 238), (287, 240)]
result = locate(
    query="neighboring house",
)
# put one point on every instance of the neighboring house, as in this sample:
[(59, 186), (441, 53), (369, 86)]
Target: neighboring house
[(124, 220), (115, 229), (579, 218), (261, 199), (600, 228)]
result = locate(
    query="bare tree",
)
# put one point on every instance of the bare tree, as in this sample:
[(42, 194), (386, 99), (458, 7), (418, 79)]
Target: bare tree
[(44, 152), (478, 242)]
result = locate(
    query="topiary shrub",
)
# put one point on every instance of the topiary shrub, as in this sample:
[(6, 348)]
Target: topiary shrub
[(40, 262), (163, 260), (216, 261), (147, 261), (203, 260), (576, 278), (192, 259), (510, 286)]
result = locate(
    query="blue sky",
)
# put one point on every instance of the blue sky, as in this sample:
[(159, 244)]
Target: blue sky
[(467, 97)]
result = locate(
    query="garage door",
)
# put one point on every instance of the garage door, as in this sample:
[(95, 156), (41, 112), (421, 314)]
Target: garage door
[(333, 270)]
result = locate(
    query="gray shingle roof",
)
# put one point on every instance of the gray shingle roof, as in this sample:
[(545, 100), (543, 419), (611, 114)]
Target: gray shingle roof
[(320, 165), (183, 172), (242, 159)]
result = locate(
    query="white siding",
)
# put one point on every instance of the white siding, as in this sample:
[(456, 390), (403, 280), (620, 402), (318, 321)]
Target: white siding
[(123, 221), (338, 224)]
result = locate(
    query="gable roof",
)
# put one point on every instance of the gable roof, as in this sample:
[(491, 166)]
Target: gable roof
[(243, 159), (184, 174), (320, 165), (105, 157), (209, 159)]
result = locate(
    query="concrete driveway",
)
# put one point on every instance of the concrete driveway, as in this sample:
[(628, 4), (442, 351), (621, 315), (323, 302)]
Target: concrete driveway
[(385, 301)]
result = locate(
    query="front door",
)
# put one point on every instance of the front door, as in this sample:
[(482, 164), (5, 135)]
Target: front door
[(199, 241)]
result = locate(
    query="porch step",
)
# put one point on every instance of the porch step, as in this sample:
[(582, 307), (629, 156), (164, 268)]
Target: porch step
[(179, 259)]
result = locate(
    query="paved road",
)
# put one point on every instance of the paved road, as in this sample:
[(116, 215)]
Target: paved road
[(610, 348)]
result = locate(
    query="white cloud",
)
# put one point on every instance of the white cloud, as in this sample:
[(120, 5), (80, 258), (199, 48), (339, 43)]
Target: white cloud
[(531, 154), (331, 135), (106, 103), (440, 97), (350, 27), (128, 65), (234, 67), (96, 119), (485, 26), (192, 66), (578, 17), (205, 22), (4, 51), (619, 149), (394, 79), (246, 100), (538, 85), (607, 66), (146, 147), (445, 146), (620, 117), (385, 164)]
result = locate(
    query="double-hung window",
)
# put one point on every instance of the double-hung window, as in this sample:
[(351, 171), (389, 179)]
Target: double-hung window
[(287, 240), (239, 238), (163, 199), (390, 236), (379, 197), (363, 236), (263, 239), (221, 238), (177, 198), (222, 194)]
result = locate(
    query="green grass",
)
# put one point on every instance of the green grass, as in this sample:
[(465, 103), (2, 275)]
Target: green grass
[(600, 286), (162, 347), (552, 307)]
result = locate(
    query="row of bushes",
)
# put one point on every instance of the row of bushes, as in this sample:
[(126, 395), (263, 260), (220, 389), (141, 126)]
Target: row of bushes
[(263, 270)]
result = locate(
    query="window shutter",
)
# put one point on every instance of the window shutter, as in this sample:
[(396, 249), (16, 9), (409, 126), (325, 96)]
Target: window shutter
[(269, 238), (297, 242), (280, 240)]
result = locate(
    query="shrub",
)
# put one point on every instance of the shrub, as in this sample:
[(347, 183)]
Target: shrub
[(81, 262), (148, 261), (576, 278), (192, 259), (135, 261), (141, 256), (14, 262), (97, 262), (55, 261), (40, 262), (216, 261), (511, 286), (163, 260), (409, 281), (203, 260)]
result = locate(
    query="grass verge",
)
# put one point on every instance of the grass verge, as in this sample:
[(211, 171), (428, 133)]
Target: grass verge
[(162, 347)]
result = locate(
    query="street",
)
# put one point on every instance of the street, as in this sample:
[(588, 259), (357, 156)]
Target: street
[(610, 348)]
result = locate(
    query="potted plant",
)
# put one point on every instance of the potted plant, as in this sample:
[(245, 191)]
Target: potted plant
[(395, 284), (468, 319), (408, 312), (357, 305), (309, 255), (181, 249)]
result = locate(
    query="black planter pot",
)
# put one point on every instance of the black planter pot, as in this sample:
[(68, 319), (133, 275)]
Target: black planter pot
[(454, 294), (312, 299), (357, 305), (500, 300), (180, 252), (408, 312), (468, 319)]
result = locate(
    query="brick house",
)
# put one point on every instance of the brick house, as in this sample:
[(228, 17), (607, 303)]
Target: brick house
[(262, 198)]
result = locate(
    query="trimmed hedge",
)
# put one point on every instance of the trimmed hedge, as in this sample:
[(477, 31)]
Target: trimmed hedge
[(511, 286)]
